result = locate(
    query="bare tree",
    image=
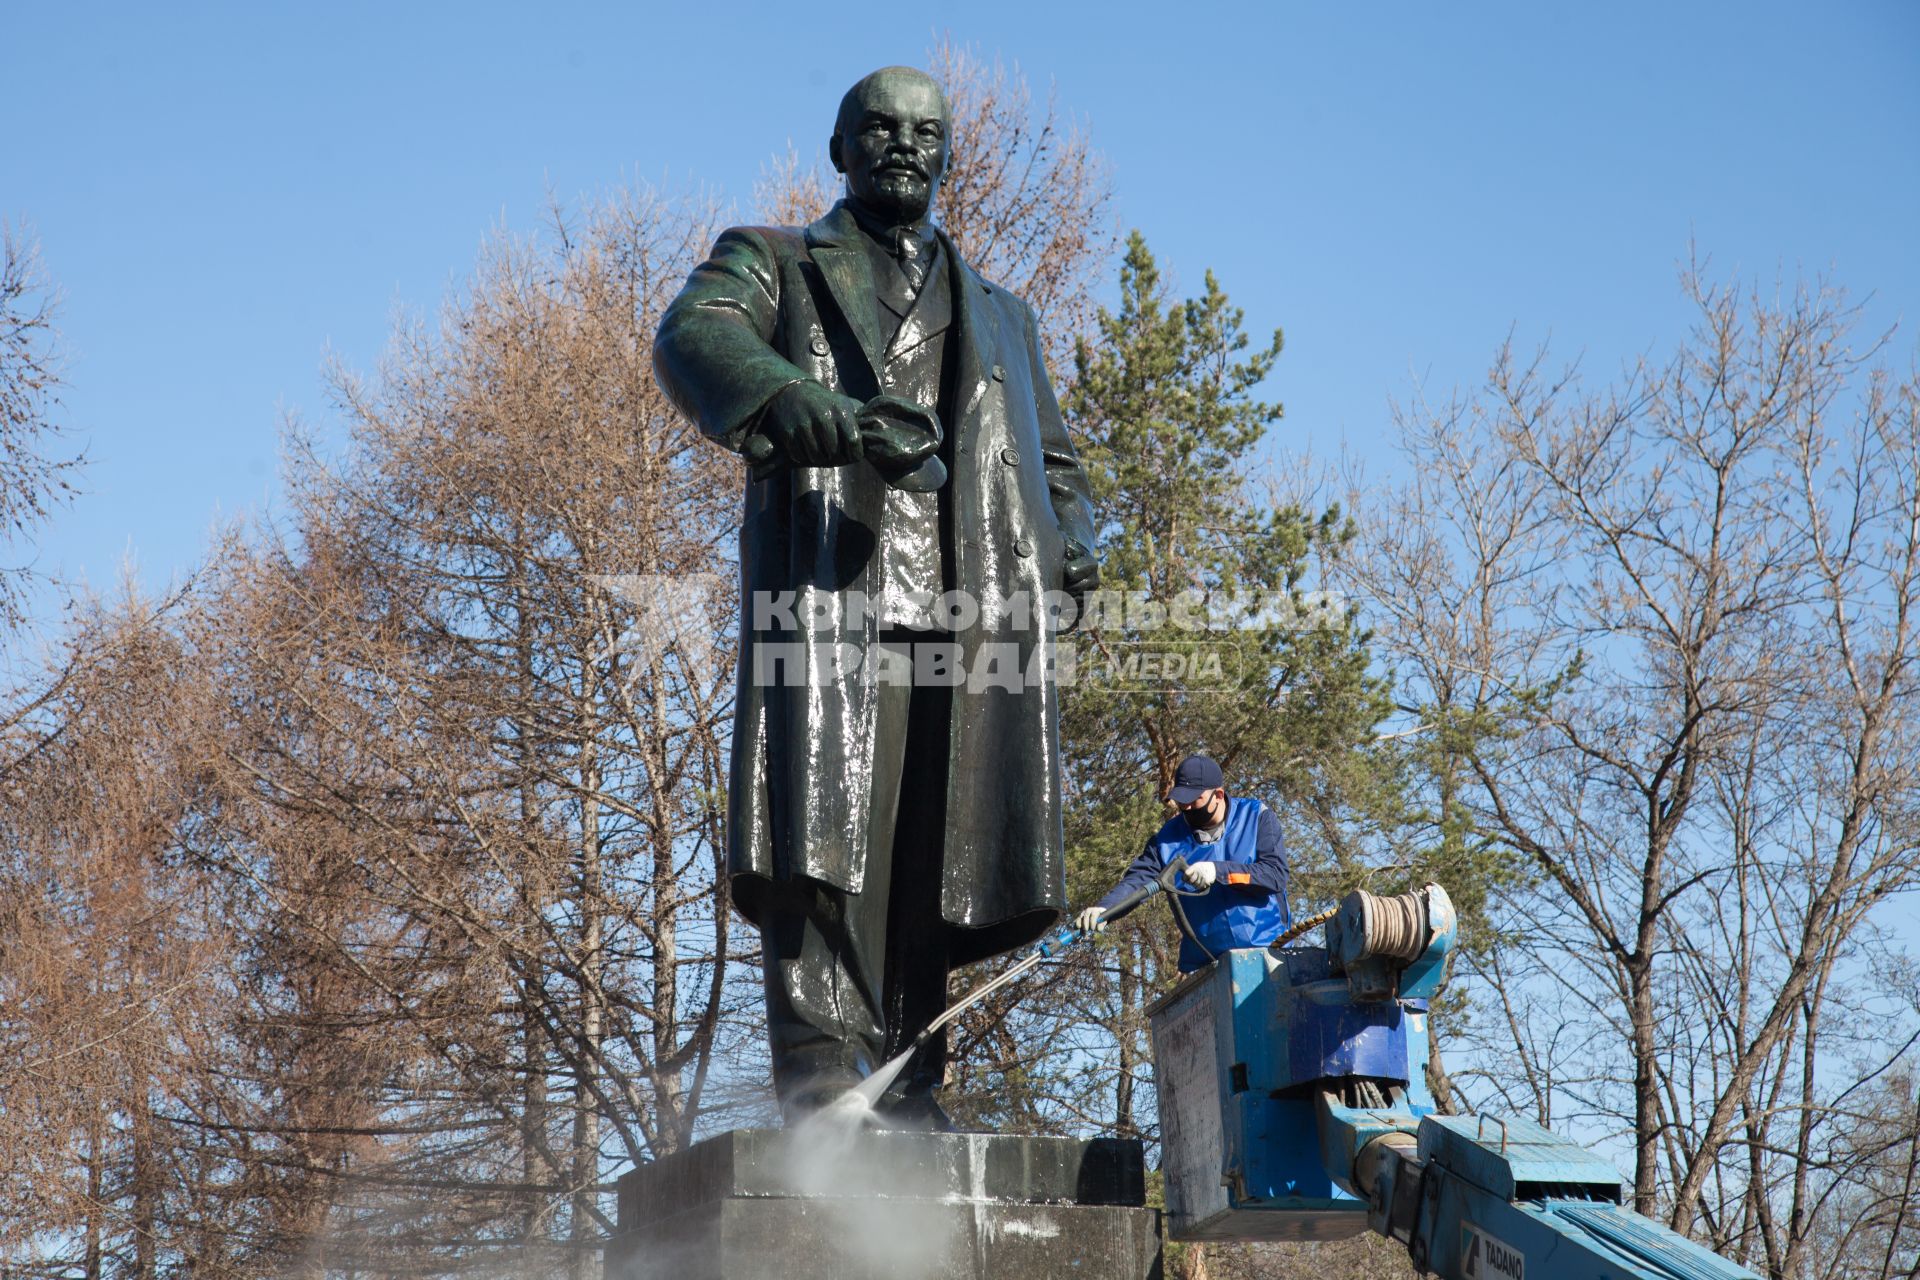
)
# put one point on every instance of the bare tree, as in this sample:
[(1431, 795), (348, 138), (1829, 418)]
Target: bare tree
[(1870, 1229), (1662, 635), (34, 476), (378, 894), (113, 961), (466, 695)]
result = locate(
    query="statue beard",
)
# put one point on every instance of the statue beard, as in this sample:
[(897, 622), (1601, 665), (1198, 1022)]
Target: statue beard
[(900, 199)]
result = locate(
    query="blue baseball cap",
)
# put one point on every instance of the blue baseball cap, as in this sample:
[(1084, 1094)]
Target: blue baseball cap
[(1196, 776)]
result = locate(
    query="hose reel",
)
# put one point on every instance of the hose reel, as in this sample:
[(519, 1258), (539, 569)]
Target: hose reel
[(1374, 940)]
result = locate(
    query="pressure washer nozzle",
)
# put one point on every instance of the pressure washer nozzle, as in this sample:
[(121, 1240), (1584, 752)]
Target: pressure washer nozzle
[(1062, 938)]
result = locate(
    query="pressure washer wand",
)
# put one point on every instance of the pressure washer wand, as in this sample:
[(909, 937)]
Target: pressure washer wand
[(1061, 939)]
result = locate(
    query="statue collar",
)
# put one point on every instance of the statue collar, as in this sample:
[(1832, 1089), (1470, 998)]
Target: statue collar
[(882, 231)]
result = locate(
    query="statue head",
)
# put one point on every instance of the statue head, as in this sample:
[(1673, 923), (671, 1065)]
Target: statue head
[(890, 140)]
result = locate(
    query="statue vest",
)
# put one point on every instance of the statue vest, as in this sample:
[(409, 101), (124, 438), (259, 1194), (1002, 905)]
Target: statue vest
[(911, 564)]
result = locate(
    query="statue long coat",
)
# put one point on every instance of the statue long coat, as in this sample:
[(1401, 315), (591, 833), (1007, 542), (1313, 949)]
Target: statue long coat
[(772, 306)]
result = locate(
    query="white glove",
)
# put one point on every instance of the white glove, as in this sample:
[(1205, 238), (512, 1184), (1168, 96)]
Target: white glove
[(1202, 875), (1089, 921)]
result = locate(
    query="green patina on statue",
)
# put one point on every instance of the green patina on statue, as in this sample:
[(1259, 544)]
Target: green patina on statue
[(904, 443)]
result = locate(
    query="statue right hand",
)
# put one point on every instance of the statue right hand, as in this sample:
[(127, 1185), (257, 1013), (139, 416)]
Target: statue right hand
[(1088, 921), (810, 426)]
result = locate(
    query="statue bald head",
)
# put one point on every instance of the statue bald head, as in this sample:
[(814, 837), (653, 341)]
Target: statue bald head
[(885, 81), (890, 140)]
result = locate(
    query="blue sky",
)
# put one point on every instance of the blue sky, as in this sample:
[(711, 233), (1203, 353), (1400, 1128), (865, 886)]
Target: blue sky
[(228, 192)]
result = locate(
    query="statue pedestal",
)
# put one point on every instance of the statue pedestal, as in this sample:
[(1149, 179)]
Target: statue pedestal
[(761, 1204)]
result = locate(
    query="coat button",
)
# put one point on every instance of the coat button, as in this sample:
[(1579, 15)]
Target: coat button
[(1023, 548), (818, 346), (1010, 456), (999, 373)]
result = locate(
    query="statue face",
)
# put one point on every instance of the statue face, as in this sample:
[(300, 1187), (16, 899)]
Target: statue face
[(893, 145)]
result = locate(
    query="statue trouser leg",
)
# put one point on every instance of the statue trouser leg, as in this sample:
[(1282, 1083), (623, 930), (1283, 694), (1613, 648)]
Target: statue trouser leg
[(851, 978), (917, 953)]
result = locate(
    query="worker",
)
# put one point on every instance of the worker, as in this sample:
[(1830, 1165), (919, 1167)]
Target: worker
[(1236, 860)]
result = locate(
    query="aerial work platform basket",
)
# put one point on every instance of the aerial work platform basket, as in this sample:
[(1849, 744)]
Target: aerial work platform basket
[(1239, 1048)]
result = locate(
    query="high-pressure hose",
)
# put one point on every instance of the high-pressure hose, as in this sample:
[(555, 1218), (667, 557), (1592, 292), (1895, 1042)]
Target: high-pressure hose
[(1301, 926), (1170, 882), (1374, 939), (1395, 927)]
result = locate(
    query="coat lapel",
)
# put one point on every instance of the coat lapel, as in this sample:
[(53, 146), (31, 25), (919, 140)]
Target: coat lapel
[(835, 248), (842, 260), (975, 348)]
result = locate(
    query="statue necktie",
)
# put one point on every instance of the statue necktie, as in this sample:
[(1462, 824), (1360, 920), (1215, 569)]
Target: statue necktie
[(911, 250)]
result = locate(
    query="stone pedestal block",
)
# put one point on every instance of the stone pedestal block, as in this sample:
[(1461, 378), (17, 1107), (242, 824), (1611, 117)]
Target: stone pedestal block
[(759, 1204)]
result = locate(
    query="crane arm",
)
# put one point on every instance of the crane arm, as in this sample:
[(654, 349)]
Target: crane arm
[(1492, 1198)]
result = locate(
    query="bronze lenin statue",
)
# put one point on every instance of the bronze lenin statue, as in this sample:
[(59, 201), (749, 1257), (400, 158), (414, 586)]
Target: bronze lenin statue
[(895, 805)]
